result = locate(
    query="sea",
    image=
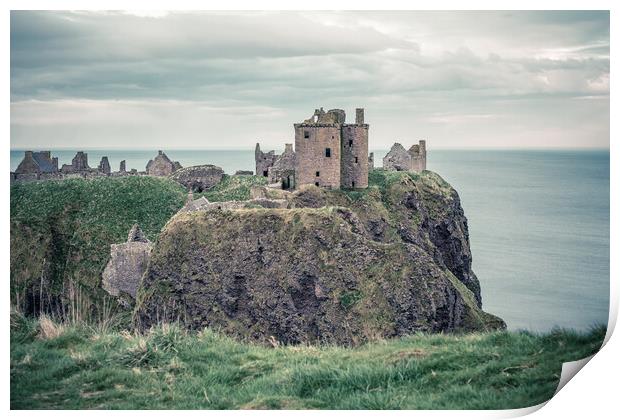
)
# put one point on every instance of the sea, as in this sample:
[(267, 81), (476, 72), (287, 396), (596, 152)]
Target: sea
[(538, 224)]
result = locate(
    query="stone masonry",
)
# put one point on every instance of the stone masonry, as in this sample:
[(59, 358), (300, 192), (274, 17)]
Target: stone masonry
[(400, 159), (198, 178), (354, 146), (264, 160), (330, 152), (161, 165), (128, 262), (283, 169), (104, 166)]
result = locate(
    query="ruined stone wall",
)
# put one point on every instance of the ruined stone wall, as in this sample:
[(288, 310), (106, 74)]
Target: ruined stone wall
[(202, 204), (263, 160), (51, 175), (312, 166), (283, 169), (397, 159), (161, 165), (244, 173), (25, 177), (80, 162), (423, 155), (354, 156), (104, 166), (418, 156), (127, 264), (198, 178)]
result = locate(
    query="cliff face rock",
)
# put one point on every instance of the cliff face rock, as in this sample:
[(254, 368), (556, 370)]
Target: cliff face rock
[(336, 266)]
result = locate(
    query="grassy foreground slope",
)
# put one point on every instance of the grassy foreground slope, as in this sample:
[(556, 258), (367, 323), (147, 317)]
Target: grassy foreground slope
[(80, 367)]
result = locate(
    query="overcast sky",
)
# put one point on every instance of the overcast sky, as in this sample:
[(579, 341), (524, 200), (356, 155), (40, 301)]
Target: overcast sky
[(225, 80)]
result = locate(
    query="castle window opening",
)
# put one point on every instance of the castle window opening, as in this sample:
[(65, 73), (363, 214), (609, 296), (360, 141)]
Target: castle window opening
[(265, 173), (352, 184), (350, 143), (328, 152), (318, 173), (306, 134), (355, 159), (316, 183)]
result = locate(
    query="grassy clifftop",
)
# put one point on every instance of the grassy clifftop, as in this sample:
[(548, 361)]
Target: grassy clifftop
[(79, 367)]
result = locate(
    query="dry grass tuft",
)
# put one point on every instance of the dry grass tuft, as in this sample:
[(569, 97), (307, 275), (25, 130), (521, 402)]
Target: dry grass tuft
[(48, 329)]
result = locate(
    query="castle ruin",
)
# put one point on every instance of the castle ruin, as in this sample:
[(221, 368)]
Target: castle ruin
[(328, 153), (161, 165), (400, 159)]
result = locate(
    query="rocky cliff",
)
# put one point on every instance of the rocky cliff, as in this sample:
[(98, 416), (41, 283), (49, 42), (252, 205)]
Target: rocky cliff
[(335, 266)]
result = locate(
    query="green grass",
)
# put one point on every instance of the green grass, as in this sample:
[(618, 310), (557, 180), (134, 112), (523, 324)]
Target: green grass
[(168, 367), (234, 188), (61, 233)]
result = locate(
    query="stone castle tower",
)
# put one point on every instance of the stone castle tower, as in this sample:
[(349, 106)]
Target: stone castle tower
[(331, 153)]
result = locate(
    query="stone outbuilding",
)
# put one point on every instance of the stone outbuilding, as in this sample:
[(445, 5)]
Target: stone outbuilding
[(36, 165), (161, 165)]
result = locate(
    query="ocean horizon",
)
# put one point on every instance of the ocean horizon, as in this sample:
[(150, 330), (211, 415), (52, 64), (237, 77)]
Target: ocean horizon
[(538, 223)]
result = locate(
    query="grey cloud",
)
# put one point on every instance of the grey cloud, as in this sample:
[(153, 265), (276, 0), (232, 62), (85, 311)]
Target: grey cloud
[(424, 67)]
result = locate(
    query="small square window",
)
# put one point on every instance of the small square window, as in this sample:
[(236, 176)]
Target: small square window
[(318, 173), (306, 134), (355, 159), (328, 152), (316, 183)]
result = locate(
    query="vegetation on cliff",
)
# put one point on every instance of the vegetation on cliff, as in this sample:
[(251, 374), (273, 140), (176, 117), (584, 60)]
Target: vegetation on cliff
[(61, 232), (59, 366), (336, 266)]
